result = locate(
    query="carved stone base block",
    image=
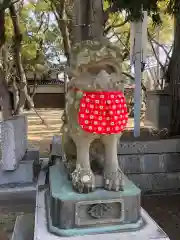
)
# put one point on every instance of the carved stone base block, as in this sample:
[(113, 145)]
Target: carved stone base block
[(149, 230), (24, 174), (13, 142), (71, 213)]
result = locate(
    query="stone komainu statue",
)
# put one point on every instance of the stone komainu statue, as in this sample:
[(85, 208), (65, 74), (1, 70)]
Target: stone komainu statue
[(96, 115)]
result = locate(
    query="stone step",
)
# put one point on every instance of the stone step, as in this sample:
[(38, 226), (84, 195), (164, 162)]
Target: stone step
[(149, 147), (150, 163), (156, 182)]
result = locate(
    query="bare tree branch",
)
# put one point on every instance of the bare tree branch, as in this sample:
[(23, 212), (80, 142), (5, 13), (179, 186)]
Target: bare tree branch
[(155, 54), (18, 61), (132, 78), (59, 11), (160, 45), (116, 26)]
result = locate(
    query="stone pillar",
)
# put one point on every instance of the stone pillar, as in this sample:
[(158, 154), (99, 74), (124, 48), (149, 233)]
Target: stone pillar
[(13, 142), (158, 109)]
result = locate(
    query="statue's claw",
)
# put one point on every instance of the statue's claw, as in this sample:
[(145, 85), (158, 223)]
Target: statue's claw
[(83, 180), (113, 181)]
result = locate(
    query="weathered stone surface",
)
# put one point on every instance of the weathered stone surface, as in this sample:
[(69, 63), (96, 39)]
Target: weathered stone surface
[(24, 227), (14, 142), (156, 182), (32, 154), (24, 172), (96, 70), (150, 169), (110, 209), (147, 147), (157, 110), (150, 231), (56, 149), (150, 163)]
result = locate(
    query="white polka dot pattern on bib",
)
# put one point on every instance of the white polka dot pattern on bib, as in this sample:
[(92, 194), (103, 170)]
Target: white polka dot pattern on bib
[(103, 112)]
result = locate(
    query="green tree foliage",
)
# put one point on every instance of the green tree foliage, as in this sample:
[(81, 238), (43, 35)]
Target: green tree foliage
[(41, 39)]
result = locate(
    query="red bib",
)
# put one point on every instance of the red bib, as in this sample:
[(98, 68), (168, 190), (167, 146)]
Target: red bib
[(103, 112)]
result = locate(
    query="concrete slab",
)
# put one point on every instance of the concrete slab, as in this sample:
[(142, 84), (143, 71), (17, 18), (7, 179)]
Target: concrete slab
[(24, 227), (31, 154), (150, 230), (19, 184), (21, 192), (23, 174)]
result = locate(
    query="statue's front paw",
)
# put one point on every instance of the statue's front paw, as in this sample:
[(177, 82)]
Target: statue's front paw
[(113, 181), (83, 180)]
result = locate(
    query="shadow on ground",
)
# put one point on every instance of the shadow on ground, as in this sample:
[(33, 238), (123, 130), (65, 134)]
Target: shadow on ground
[(165, 210)]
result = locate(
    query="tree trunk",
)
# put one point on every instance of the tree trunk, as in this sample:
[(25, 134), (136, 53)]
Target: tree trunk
[(5, 102), (23, 92), (15, 95), (2, 28), (4, 97), (88, 20), (173, 75)]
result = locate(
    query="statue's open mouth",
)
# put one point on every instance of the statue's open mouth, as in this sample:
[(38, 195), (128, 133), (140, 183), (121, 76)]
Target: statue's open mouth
[(103, 112)]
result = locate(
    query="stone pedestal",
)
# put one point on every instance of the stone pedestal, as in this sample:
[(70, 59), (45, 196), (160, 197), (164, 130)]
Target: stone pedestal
[(149, 229), (70, 213), (24, 173), (20, 183), (29, 228), (13, 142), (157, 109)]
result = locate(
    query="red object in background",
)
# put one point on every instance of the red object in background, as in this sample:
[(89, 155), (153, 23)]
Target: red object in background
[(103, 112)]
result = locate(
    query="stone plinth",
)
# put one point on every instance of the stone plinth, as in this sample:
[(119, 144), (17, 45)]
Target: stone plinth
[(157, 109), (19, 184), (24, 174), (150, 229), (14, 142), (71, 213)]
